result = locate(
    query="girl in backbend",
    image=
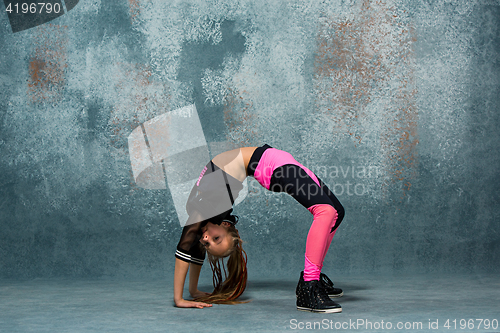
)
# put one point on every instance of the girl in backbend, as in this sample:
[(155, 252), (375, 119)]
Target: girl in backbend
[(211, 228)]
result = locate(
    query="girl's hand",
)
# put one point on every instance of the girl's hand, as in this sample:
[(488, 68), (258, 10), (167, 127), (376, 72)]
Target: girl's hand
[(190, 304), (198, 293)]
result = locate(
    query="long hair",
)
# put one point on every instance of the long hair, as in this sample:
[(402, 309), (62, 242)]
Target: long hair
[(228, 284)]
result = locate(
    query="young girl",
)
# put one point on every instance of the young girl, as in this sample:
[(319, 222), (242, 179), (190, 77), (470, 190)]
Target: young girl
[(211, 227)]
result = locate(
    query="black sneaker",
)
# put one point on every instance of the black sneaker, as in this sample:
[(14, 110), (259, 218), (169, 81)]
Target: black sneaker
[(328, 285), (311, 296)]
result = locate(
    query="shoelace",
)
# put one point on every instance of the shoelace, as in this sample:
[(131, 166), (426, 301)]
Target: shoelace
[(321, 292), (326, 280)]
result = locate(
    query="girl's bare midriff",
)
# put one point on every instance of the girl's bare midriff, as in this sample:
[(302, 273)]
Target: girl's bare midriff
[(247, 154), (235, 162)]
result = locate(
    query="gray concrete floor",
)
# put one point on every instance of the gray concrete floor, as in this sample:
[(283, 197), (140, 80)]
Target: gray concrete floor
[(370, 304)]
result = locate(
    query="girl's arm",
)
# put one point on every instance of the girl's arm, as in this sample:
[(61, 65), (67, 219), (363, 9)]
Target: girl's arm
[(194, 275), (181, 269)]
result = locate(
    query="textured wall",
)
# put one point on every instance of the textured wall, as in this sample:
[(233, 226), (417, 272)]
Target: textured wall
[(394, 104)]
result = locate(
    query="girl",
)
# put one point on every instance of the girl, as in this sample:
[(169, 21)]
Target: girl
[(211, 227)]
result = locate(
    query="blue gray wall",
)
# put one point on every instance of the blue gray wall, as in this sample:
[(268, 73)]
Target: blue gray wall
[(393, 104)]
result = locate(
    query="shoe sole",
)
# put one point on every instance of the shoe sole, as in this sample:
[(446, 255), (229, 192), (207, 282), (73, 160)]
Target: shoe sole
[(335, 310), (336, 295)]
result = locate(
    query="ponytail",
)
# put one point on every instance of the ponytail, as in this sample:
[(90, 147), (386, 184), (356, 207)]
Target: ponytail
[(231, 283)]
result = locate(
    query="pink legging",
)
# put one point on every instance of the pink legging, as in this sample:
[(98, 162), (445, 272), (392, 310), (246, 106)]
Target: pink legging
[(319, 239), (292, 177)]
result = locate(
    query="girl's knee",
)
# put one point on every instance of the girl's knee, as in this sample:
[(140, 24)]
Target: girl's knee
[(331, 211), (326, 211)]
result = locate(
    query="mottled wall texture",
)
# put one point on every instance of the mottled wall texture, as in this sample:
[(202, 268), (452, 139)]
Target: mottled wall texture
[(394, 104)]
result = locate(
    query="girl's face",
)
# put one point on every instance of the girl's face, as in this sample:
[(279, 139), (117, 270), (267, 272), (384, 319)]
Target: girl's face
[(215, 238)]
